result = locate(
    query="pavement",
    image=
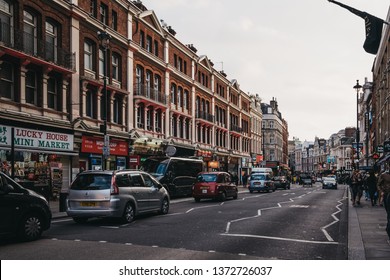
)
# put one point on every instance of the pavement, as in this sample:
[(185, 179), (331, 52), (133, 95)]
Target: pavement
[(367, 237)]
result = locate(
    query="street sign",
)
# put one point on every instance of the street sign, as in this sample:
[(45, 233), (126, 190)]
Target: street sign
[(354, 145), (379, 149), (106, 151), (375, 156)]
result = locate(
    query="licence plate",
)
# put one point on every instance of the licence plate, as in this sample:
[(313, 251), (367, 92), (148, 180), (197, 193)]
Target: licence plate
[(88, 204), (204, 191)]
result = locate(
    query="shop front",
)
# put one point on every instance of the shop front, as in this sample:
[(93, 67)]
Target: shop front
[(91, 156), (39, 160)]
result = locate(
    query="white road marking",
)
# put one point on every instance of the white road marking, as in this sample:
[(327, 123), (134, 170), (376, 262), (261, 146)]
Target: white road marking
[(280, 238), (323, 229), (335, 221), (208, 206)]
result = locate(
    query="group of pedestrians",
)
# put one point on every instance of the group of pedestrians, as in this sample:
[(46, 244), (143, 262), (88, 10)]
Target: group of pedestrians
[(376, 187)]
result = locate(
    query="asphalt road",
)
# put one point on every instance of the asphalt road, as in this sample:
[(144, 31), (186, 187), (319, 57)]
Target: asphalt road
[(296, 224)]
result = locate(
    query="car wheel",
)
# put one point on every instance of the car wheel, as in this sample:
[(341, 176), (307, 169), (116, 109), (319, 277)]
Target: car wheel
[(197, 199), (80, 220), (235, 196), (31, 227), (251, 191), (164, 206), (222, 196), (128, 213)]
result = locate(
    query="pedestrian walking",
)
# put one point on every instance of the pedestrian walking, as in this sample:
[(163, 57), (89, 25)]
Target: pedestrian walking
[(245, 179), (384, 187), (371, 184), (356, 187)]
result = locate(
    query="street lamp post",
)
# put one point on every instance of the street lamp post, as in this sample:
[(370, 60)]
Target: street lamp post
[(104, 37), (357, 87)]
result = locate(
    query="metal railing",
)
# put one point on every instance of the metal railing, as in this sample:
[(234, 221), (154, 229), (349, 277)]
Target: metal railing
[(151, 93), (205, 116), (30, 44), (236, 128)]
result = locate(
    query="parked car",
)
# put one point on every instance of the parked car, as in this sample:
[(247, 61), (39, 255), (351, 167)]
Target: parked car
[(121, 193), (176, 174), (307, 181), (216, 185), (261, 182), (23, 212), (329, 183), (281, 182)]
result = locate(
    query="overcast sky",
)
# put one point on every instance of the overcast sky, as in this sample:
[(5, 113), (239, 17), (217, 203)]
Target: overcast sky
[(307, 54)]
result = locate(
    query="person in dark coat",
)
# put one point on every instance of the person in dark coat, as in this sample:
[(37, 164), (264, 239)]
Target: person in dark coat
[(371, 183), (384, 188), (356, 187), (245, 179)]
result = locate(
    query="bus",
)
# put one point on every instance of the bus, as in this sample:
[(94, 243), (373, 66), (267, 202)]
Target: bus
[(176, 174)]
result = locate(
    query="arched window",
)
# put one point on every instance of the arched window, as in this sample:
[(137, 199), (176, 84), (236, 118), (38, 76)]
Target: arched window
[(116, 64), (6, 21), (51, 44), (173, 94), (88, 55), (141, 116), (180, 97), (197, 105), (157, 85), (139, 72), (186, 100), (30, 33), (148, 82)]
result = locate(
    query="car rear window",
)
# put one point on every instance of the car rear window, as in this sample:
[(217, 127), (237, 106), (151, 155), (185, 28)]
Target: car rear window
[(207, 178), (92, 182), (258, 177)]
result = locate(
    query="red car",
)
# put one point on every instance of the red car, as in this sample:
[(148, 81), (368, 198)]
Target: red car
[(215, 185)]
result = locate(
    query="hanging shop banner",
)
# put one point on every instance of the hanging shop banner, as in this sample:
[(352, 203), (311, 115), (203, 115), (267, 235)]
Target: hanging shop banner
[(95, 145), (36, 139)]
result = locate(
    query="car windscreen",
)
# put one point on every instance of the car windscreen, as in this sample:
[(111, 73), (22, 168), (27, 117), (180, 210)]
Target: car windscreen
[(329, 180), (206, 178), (155, 167), (92, 182), (258, 177)]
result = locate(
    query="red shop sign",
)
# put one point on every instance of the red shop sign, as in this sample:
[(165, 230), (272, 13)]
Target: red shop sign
[(95, 145)]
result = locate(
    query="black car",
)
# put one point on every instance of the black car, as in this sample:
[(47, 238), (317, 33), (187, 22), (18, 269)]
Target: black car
[(307, 181), (281, 182), (22, 212)]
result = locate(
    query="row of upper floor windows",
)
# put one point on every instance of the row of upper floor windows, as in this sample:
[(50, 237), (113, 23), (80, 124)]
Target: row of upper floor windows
[(94, 56), (33, 93)]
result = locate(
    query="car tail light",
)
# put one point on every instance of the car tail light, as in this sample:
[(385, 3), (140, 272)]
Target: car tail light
[(114, 187)]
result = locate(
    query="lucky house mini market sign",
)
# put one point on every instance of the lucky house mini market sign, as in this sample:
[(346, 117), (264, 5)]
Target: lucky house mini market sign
[(36, 139)]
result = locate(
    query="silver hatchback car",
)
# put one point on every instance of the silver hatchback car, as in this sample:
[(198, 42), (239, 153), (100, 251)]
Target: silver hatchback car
[(123, 194)]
